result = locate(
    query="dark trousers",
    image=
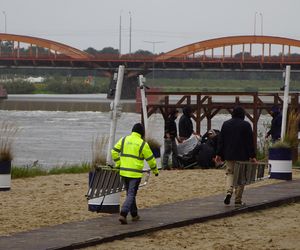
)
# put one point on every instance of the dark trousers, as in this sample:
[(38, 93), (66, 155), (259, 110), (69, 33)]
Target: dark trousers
[(170, 147), (129, 206)]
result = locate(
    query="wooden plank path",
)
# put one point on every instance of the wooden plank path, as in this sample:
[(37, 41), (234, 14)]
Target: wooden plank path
[(105, 229)]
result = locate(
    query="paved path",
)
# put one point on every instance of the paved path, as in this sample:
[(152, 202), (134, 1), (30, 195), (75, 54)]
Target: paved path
[(107, 228)]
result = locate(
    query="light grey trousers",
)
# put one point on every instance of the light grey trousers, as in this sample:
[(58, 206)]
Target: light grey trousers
[(229, 182)]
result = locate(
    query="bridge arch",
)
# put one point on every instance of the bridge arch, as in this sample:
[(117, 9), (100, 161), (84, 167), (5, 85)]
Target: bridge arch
[(54, 47), (202, 46)]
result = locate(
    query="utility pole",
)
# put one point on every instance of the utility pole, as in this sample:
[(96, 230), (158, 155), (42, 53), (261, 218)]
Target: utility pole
[(255, 22), (130, 29), (262, 23), (285, 100), (5, 24), (120, 34)]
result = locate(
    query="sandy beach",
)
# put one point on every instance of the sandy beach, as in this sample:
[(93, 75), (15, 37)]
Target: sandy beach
[(50, 200)]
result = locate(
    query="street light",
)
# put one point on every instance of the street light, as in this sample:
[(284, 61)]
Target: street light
[(5, 26), (130, 24), (120, 33), (262, 22), (153, 51), (255, 22)]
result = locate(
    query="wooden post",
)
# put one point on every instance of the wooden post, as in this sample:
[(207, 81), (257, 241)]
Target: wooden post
[(255, 118), (295, 107), (198, 120), (208, 116)]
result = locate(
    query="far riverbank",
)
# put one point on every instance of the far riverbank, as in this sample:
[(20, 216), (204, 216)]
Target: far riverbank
[(55, 102), (100, 103)]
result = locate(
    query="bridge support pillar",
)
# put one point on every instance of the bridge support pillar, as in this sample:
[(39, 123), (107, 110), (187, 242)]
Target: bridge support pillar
[(130, 84)]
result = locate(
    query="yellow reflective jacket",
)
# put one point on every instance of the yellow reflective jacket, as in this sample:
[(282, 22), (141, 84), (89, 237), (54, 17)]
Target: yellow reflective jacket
[(129, 154)]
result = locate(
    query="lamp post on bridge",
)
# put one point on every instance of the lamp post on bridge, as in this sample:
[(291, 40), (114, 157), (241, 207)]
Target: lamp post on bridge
[(262, 23), (255, 22), (120, 34), (130, 29), (5, 19), (153, 51)]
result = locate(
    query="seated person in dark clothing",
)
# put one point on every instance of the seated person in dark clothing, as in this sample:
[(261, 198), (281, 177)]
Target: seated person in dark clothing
[(209, 134), (205, 152)]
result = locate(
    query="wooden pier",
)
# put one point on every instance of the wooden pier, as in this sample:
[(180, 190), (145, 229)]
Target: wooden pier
[(208, 104)]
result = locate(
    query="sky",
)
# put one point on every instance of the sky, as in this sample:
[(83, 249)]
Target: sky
[(156, 25)]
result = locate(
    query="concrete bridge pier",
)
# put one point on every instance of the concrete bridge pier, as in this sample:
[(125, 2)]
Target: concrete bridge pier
[(130, 84)]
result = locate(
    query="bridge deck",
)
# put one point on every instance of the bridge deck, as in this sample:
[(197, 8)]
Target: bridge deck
[(105, 229)]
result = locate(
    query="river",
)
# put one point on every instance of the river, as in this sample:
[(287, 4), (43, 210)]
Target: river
[(56, 138)]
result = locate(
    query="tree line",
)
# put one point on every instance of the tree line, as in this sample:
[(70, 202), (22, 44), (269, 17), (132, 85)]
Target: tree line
[(7, 47)]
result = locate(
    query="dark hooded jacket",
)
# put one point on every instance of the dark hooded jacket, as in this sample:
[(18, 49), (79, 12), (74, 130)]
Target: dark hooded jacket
[(185, 123), (275, 130), (170, 125), (235, 141)]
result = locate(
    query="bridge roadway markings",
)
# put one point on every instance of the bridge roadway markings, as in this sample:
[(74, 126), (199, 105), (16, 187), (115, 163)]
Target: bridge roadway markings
[(106, 229)]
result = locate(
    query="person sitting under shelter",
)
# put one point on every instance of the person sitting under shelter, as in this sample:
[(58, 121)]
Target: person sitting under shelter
[(205, 152)]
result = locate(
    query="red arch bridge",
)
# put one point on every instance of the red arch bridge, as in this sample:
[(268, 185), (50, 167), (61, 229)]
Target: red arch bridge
[(264, 53), (234, 52)]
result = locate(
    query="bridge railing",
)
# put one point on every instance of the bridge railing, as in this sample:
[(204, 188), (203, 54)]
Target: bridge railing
[(44, 55)]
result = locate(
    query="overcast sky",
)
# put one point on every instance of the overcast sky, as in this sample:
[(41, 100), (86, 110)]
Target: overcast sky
[(170, 23)]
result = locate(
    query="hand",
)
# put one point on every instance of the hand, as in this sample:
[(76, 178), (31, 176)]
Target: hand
[(218, 159)]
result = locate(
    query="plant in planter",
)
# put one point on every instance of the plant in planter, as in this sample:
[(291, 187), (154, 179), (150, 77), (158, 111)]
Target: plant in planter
[(99, 147), (99, 151), (291, 137), (8, 132), (280, 152)]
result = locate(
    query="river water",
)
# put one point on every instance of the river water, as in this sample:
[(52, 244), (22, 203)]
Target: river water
[(63, 138)]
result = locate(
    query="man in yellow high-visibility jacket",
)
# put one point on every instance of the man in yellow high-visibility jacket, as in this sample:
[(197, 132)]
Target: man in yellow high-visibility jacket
[(129, 154)]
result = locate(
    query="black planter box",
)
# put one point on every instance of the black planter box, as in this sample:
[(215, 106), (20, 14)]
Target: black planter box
[(5, 167)]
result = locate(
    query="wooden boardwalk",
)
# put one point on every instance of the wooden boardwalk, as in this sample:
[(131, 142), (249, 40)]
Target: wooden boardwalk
[(104, 229)]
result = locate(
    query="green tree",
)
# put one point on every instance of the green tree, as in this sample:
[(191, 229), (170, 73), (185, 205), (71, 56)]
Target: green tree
[(143, 53), (109, 50), (91, 51)]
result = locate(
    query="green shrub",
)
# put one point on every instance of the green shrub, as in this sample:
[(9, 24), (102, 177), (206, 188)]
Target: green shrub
[(19, 87)]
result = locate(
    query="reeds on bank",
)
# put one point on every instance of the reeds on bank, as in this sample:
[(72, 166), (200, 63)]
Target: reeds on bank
[(99, 151), (8, 133)]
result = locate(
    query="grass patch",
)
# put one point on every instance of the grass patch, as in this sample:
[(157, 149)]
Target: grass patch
[(297, 164), (83, 168), (216, 85), (27, 171), (33, 171)]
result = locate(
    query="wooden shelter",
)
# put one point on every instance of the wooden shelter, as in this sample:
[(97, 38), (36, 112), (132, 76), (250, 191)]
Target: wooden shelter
[(208, 104)]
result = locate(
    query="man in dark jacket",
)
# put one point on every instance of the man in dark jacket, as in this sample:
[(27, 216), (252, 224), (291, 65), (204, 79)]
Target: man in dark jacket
[(169, 140), (185, 124), (275, 130), (235, 143)]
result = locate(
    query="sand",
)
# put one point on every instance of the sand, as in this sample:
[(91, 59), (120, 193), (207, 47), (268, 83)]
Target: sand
[(50, 200)]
